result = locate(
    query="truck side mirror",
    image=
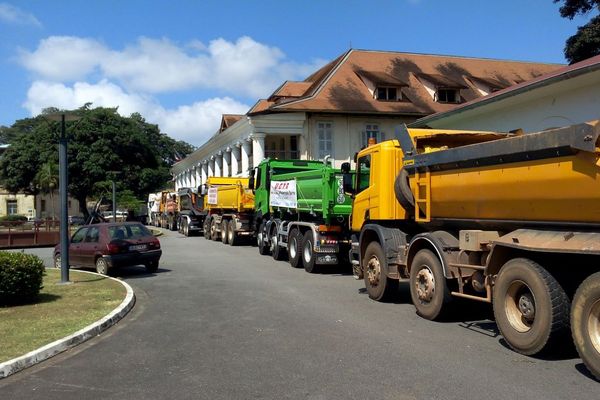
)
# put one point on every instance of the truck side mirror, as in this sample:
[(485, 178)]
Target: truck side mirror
[(203, 190), (251, 180), (347, 178)]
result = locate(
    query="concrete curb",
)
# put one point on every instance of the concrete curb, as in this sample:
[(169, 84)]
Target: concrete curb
[(33, 357)]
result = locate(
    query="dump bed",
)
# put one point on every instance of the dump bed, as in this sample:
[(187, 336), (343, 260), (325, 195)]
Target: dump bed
[(228, 194), (545, 177)]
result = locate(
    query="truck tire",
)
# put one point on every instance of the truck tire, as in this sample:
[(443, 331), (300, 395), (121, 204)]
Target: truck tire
[(585, 323), (263, 248), (428, 287), (403, 193), (277, 251), (232, 234), (186, 229), (309, 259), (379, 286), (530, 307), (214, 235), (206, 228), (224, 234), (295, 248)]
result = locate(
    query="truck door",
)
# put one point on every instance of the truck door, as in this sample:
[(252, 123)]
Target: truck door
[(361, 204)]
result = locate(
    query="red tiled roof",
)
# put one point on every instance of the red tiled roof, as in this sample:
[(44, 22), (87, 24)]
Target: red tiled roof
[(337, 87)]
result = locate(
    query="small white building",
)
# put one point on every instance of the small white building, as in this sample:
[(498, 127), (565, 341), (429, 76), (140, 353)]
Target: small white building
[(568, 96), (360, 95)]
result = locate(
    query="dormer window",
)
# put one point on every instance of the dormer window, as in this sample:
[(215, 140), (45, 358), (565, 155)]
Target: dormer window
[(387, 93), (447, 95), (441, 88)]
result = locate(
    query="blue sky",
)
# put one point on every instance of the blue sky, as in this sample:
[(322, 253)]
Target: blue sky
[(182, 64)]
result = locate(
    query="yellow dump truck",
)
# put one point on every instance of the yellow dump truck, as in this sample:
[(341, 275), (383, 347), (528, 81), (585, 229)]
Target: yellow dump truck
[(510, 219), (229, 204)]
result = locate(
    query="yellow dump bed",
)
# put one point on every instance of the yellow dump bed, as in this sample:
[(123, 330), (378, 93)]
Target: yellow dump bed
[(228, 194)]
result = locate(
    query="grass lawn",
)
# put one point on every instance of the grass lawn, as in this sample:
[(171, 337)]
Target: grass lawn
[(60, 311)]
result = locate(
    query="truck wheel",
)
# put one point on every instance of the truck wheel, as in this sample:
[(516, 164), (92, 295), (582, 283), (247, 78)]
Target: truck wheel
[(295, 248), (214, 235), (263, 248), (308, 253), (206, 228), (186, 229), (224, 234), (231, 232), (378, 285), (428, 287), (585, 323), (277, 251), (530, 307)]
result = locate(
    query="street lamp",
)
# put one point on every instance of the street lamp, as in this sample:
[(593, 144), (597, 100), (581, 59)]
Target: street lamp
[(63, 183)]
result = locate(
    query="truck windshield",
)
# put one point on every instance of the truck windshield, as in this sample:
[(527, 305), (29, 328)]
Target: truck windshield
[(364, 173)]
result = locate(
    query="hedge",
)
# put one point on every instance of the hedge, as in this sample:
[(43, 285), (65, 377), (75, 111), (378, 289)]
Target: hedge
[(21, 277)]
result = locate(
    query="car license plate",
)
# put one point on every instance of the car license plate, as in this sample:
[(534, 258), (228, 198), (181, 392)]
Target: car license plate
[(138, 247)]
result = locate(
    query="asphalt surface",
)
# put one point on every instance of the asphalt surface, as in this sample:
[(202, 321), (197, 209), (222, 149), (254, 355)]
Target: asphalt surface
[(220, 322)]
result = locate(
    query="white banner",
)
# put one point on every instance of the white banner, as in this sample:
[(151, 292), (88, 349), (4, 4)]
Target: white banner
[(283, 194), (212, 195)]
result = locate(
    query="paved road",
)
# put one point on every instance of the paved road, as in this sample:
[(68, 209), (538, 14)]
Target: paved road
[(218, 322)]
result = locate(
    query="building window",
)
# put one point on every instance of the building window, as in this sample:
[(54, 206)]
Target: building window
[(447, 95), (387, 93), (11, 207), (371, 131), (294, 154), (325, 135)]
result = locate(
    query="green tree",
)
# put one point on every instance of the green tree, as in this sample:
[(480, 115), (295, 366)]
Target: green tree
[(585, 43), (46, 180), (101, 142)]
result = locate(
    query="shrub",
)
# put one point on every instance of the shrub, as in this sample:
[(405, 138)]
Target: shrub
[(12, 220), (21, 277)]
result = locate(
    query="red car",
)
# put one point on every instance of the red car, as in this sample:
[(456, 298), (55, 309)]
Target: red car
[(109, 245)]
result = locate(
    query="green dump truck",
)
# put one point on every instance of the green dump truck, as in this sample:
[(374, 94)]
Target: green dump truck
[(301, 211)]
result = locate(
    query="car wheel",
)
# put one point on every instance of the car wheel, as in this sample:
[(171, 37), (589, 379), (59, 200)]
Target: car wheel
[(151, 266), (57, 261), (101, 266)]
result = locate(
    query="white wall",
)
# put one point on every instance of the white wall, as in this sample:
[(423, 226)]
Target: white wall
[(561, 104)]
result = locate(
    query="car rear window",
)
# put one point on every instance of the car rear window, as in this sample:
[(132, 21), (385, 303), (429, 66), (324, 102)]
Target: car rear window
[(128, 231)]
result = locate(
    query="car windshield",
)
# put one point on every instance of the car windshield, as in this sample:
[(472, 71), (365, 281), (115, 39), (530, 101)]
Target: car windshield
[(133, 231)]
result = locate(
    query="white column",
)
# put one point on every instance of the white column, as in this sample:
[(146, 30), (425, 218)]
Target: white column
[(219, 164), (199, 180), (204, 171), (227, 162), (193, 172), (235, 158), (211, 166), (176, 179), (245, 161), (258, 148)]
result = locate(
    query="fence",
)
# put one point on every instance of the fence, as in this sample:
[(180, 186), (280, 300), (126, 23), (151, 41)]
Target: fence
[(29, 234)]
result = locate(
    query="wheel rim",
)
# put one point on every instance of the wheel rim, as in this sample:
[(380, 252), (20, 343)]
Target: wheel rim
[(273, 242), (259, 238), (374, 271), (425, 284), (101, 266), (293, 245), (230, 234), (520, 306), (594, 325), (307, 251), (57, 262)]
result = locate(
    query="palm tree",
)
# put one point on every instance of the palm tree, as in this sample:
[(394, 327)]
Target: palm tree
[(46, 181)]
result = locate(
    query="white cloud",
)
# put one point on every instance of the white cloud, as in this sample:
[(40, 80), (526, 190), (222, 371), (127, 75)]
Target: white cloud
[(193, 123), (13, 15), (244, 67)]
